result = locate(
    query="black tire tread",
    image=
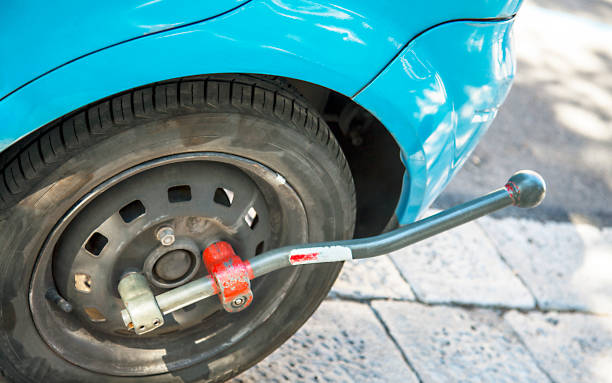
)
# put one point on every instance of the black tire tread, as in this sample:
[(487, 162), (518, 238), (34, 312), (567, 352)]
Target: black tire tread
[(29, 160)]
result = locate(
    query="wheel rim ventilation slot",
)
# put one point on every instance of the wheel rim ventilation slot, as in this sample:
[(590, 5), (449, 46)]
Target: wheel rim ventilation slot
[(94, 315), (224, 197), (132, 211), (260, 248), (82, 282), (180, 193), (96, 243), (251, 218)]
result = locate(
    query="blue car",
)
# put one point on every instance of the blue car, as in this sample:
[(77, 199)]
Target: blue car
[(136, 133)]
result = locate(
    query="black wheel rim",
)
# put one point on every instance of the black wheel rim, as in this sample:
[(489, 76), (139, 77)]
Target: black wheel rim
[(205, 197)]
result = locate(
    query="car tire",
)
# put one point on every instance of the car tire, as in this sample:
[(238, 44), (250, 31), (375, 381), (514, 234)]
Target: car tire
[(55, 171)]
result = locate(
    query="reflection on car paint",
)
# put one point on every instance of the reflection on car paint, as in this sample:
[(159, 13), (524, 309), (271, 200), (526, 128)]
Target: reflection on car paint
[(447, 86)]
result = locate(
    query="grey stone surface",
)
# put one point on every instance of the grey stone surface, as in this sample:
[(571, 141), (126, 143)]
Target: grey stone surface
[(461, 266), (371, 278), (557, 119), (571, 347), (446, 344), (342, 342), (565, 265)]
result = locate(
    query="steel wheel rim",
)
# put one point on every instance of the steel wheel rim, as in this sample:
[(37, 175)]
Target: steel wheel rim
[(266, 181)]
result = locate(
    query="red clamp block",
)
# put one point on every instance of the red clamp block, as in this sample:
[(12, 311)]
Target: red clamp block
[(231, 274)]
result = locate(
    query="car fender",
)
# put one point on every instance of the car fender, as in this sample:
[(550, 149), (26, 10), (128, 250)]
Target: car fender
[(437, 98), (340, 45)]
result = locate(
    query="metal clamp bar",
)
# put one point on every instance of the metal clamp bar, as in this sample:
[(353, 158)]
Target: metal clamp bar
[(524, 189), (141, 312)]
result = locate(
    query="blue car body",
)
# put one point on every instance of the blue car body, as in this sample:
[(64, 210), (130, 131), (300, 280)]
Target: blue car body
[(433, 72)]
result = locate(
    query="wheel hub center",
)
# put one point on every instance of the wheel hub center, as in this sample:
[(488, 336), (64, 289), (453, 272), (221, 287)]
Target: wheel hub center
[(173, 265)]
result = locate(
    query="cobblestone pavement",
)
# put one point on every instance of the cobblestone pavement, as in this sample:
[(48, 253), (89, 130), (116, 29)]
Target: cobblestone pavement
[(497, 300)]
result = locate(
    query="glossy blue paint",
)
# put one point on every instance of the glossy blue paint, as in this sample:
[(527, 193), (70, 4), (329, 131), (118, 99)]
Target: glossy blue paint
[(37, 36), (437, 98), (339, 44)]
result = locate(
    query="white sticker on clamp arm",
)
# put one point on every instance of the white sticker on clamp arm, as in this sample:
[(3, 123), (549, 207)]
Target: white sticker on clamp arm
[(320, 255)]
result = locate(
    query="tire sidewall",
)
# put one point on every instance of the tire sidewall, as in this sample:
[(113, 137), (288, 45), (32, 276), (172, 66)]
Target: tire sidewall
[(306, 165)]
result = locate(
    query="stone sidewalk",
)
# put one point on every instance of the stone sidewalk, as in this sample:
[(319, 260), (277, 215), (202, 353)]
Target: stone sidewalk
[(508, 300)]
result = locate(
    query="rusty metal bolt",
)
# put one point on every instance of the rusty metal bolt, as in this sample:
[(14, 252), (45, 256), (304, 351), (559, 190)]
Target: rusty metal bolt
[(165, 235)]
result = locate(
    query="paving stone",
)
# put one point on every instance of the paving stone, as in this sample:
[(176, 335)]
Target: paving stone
[(342, 342), (371, 278), (565, 265), (571, 347), (446, 344), (461, 266)]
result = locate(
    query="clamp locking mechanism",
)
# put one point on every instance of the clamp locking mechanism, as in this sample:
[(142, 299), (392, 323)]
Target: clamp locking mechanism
[(232, 276), (229, 277), (141, 312)]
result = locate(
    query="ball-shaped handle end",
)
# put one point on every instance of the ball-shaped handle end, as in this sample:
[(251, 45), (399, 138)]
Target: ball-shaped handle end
[(526, 188)]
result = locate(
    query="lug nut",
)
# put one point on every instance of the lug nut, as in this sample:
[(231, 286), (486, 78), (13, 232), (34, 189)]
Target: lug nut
[(165, 235)]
